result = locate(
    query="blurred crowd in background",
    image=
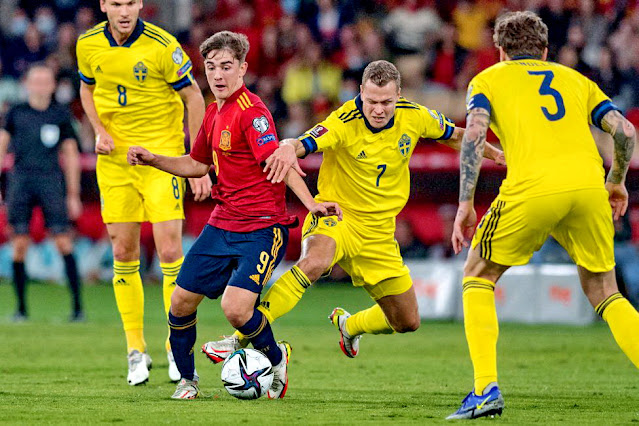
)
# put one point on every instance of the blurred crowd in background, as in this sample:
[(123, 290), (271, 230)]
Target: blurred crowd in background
[(307, 57)]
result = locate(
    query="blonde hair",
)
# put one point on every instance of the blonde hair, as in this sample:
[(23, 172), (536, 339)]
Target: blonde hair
[(380, 73)]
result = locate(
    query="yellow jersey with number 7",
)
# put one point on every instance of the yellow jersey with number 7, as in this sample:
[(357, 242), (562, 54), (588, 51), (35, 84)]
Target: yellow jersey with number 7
[(365, 169), (136, 85), (541, 112)]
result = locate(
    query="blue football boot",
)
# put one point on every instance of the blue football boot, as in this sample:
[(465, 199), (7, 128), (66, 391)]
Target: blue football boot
[(475, 406)]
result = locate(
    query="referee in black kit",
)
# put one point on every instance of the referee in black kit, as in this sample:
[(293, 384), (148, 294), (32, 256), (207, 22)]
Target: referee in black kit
[(40, 131)]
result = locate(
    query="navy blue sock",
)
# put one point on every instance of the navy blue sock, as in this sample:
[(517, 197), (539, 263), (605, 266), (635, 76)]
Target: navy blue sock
[(74, 281), (258, 331), (182, 338), (20, 284)]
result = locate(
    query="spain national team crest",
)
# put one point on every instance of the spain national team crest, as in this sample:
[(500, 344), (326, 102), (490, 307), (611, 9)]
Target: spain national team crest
[(140, 71), (404, 144), (225, 140)]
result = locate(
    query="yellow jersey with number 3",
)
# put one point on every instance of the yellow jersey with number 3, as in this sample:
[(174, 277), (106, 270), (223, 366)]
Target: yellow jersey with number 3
[(136, 85), (365, 169), (541, 112)]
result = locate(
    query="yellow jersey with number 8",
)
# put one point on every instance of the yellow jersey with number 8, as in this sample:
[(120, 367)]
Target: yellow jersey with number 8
[(541, 112), (136, 86)]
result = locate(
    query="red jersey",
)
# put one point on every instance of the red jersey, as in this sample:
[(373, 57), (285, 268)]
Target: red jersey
[(237, 139)]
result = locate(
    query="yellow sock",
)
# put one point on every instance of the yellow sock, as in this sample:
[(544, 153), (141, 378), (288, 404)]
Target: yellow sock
[(282, 296), (623, 321), (482, 329), (169, 274), (371, 320), (129, 296)]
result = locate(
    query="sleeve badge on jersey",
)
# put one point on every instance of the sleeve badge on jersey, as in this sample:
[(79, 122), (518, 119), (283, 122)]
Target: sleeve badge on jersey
[(140, 71), (265, 139), (177, 56), (318, 131), (225, 140), (260, 124)]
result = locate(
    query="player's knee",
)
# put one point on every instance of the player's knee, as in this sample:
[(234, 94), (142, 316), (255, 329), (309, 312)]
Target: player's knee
[(169, 253), (180, 305), (125, 253), (407, 326), (313, 268), (20, 247), (237, 314), (63, 244)]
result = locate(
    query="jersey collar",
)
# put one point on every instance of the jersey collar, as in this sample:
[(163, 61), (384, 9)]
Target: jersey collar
[(359, 105), (519, 57), (231, 99), (137, 31)]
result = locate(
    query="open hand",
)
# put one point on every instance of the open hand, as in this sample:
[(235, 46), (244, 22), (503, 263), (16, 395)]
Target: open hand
[(464, 226)]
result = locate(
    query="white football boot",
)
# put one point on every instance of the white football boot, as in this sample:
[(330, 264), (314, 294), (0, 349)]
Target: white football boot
[(139, 366), (187, 389), (219, 350), (348, 343), (174, 373), (280, 373)]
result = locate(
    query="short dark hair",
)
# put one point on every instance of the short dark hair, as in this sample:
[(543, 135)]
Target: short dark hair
[(380, 73), (236, 43), (521, 34)]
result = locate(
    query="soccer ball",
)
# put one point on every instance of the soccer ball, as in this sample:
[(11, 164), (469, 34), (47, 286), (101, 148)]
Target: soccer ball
[(247, 374)]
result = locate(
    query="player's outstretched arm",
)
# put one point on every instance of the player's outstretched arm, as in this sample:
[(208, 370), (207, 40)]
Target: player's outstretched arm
[(184, 166), (103, 141), (298, 186), (284, 157), (624, 136), (490, 151), (472, 150)]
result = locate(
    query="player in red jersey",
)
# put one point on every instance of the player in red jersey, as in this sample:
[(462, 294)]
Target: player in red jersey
[(246, 235)]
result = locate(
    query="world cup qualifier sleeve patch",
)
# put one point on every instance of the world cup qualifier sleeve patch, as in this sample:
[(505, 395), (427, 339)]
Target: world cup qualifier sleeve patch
[(318, 131), (260, 124)]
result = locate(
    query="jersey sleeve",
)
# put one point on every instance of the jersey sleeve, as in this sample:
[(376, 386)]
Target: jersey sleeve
[(259, 130), (66, 127), (436, 124), (84, 67), (478, 95), (598, 104), (324, 136), (177, 67)]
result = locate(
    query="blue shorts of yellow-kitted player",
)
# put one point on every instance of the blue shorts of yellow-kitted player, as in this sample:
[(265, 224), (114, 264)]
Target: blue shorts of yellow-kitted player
[(240, 259)]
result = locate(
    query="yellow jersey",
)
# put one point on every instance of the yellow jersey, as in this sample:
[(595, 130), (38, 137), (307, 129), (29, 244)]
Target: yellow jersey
[(136, 85), (365, 169), (541, 112)]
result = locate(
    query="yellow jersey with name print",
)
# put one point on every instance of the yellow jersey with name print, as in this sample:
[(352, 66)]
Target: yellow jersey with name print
[(365, 169), (136, 86), (541, 112)]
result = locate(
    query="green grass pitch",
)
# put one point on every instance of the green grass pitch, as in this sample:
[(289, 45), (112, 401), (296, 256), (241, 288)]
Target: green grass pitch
[(58, 373)]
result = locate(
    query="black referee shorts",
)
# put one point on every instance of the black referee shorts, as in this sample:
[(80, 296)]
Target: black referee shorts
[(25, 192)]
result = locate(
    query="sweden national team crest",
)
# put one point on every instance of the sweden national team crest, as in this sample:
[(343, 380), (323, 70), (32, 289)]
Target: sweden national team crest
[(140, 71), (225, 140), (404, 145), (330, 222)]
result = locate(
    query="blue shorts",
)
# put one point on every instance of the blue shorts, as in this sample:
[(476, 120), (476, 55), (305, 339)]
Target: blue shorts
[(240, 259)]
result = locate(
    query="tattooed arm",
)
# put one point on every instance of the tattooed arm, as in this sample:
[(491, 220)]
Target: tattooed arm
[(490, 151), (472, 150), (624, 136)]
